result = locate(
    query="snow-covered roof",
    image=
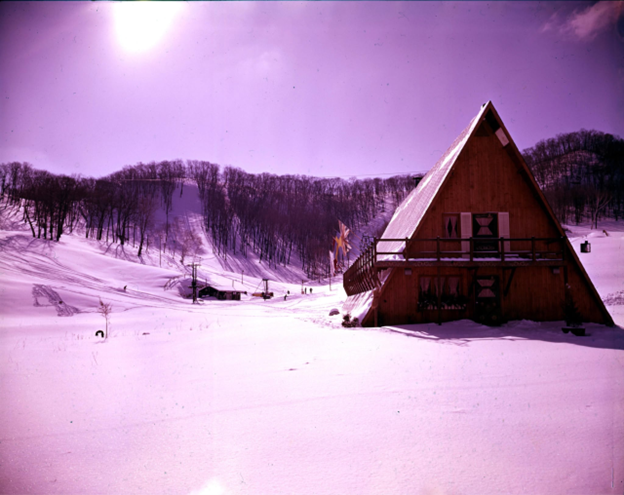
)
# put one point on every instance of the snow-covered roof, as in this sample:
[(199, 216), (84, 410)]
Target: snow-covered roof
[(410, 212)]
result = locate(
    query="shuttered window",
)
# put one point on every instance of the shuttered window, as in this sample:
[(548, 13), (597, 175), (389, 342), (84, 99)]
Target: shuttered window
[(451, 225)]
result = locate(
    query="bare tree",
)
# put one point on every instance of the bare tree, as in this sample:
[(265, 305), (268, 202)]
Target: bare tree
[(105, 309), (144, 218), (597, 201)]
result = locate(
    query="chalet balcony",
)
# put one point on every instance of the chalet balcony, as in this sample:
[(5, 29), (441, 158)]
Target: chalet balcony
[(442, 252)]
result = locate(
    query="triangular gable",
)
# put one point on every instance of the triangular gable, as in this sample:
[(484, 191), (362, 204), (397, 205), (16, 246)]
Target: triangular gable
[(409, 215)]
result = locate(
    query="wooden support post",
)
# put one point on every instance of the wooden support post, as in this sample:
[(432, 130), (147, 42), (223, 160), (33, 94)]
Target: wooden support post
[(471, 241), (439, 297), (502, 246), (508, 285), (473, 282), (533, 248), (374, 250), (438, 248)]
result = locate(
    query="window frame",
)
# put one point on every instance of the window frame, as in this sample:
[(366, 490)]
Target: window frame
[(428, 298)]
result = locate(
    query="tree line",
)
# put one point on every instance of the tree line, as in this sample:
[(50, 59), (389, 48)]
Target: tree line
[(276, 216), (270, 215), (581, 174)]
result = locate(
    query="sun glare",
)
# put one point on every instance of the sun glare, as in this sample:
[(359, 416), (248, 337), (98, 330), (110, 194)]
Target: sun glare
[(140, 25)]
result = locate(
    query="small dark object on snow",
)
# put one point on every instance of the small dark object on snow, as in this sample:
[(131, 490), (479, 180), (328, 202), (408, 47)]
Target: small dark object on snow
[(586, 247), (334, 312), (350, 323), (578, 331), (99, 333), (145, 333)]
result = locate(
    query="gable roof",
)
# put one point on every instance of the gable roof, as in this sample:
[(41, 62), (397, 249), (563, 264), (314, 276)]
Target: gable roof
[(408, 215)]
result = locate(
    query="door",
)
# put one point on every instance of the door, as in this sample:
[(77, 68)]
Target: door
[(487, 300)]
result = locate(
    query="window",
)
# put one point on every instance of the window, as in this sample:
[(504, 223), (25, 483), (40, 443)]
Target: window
[(485, 231), (484, 225), (451, 225), (451, 297)]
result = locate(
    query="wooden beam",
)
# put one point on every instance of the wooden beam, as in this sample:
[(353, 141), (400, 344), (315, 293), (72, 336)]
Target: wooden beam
[(439, 297), (508, 285), (466, 263), (473, 281)]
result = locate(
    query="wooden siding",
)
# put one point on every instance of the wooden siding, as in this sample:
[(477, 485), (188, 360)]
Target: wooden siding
[(487, 178), (535, 293)]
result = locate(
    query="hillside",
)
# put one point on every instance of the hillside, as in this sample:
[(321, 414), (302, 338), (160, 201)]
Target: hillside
[(581, 174), (280, 220)]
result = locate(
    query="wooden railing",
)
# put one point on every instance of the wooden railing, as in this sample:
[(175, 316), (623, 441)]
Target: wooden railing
[(362, 275), (503, 248)]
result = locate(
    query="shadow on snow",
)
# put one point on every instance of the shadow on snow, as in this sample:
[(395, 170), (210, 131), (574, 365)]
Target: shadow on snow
[(463, 332)]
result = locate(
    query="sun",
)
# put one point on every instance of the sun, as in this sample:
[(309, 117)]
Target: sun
[(139, 26)]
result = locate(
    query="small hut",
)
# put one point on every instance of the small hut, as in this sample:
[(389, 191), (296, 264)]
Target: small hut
[(220, 293)]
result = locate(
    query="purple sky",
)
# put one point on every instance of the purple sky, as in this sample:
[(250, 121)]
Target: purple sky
[(322, 88)]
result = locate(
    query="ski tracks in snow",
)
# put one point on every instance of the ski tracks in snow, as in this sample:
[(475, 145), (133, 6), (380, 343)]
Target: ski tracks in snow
[(44, 291)]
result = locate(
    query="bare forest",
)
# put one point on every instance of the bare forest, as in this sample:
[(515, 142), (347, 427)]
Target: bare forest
[(581, 174), (275, 217), (282, 219)]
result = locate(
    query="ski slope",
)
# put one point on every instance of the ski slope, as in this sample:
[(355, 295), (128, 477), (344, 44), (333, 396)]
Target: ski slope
[(275, 397)]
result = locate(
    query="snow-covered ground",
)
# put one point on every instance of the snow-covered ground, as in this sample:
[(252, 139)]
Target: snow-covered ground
[(269, 397)]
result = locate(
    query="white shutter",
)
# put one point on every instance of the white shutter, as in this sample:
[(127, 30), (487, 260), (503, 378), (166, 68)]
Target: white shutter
[(466, 230), (503, 228)]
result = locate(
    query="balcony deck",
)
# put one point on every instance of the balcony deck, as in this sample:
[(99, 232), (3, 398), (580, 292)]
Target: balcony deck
[(440, 252)]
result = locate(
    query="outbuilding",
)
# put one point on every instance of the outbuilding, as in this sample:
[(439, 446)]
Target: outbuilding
[(220, 293)]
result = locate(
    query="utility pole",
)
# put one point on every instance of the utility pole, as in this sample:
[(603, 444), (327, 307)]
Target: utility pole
[(194, 267)]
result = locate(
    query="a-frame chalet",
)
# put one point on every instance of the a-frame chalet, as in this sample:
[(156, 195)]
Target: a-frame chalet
[(475, 239)]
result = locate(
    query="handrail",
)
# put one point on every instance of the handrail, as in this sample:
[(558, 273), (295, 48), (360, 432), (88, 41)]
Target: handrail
[(503, 247), (362, 274)]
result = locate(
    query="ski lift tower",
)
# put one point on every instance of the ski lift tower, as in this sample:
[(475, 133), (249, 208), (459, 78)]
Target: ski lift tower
[(266, 294), (194, 279)]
